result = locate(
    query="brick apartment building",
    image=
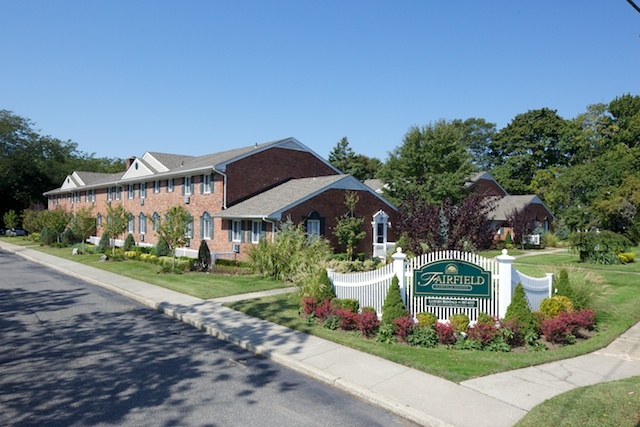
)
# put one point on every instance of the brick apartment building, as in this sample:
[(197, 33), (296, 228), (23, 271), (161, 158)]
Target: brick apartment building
[(234, 197)]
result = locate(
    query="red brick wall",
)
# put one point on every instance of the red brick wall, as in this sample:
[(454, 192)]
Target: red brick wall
[(487, 187), (262, 170), (330, 205)]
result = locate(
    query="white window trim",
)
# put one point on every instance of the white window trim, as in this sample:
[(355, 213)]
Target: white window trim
[(170, 185)]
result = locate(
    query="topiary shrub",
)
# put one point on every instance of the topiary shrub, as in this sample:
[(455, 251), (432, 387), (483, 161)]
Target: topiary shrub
[(426, 319), (508, 241), (393, 307), (129, 243), (204, 256), (520, 312), (161, 248), (460, 322), (552, 307), (105, 243), (351, 304), (563, 285)]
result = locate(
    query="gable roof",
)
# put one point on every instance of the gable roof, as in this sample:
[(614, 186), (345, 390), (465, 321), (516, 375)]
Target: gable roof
[(157, 165), (507, 204), (272, 203)]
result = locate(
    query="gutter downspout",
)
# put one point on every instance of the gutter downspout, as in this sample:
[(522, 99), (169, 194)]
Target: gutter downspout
[(273, 228), (224, 188)]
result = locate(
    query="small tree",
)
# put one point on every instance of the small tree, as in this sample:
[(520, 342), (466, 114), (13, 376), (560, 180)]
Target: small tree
[(348, 229), (173, 230), (204, 256), (84, 224), (56, 221), (522, 225), (393, 307), (10, 219), (32, 218), (117, 221)]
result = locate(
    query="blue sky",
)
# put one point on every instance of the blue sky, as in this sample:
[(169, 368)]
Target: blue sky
[(120, 78)]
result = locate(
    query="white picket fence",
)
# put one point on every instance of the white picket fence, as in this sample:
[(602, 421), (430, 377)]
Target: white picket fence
[(535, 288), (370, 288)]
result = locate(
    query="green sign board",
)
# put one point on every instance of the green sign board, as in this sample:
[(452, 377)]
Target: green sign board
[(452, 278)]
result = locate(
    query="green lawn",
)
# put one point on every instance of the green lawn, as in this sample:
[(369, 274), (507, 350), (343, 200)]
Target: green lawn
[(200, 285), (612, 404), (618, 308)]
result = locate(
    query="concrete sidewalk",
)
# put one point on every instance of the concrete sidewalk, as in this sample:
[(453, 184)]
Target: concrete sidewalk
[(495, 400)]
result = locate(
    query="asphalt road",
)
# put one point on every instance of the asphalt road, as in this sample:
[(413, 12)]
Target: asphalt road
[(73, 354)]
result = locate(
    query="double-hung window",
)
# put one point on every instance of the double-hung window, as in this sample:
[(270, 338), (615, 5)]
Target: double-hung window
[(313, 227), (236, 231), (132, 224), (189, 229), (187, 185), (143, 190), (131, 191), (206, 226), (207, 184), (156, 186), (156, 221), (170, 185), (142, 223), (256, 231)]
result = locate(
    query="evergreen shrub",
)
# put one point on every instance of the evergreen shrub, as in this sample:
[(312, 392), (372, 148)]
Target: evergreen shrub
[(393, 307), (520, 312), (552, 307), (129, 243), (204, 256)]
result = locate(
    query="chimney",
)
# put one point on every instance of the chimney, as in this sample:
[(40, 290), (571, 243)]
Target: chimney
[(129, 162)]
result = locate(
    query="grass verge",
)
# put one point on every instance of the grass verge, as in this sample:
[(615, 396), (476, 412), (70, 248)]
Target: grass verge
[(199, 285), (612, 404)]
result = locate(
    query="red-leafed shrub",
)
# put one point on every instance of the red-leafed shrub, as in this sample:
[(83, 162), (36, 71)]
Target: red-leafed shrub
[(403, 326), (483, 332), (564, 327), (446, 333), (307, 306), (368, 322), (512, 333), (348, 319), (323, 309)]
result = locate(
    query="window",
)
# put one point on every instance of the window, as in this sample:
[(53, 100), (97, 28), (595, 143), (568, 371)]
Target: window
[(99, 220), (131, 191), (206, 184), (206, 226), (170, 185), (132, 224), (142, 223), (143, 190), (313, 227), (256, 231), (189, 229), (156, 221), (187, 185), (380, 232), (156, 186), (113, 193), (236, 231)]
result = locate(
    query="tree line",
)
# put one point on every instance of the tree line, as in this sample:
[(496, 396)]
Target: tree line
[(31, 163), (585, 169)]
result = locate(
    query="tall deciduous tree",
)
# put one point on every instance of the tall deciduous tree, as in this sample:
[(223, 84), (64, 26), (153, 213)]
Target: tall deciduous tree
[(433, 161), (173, 230), (537, 139), (626, 115), (31, 164)]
